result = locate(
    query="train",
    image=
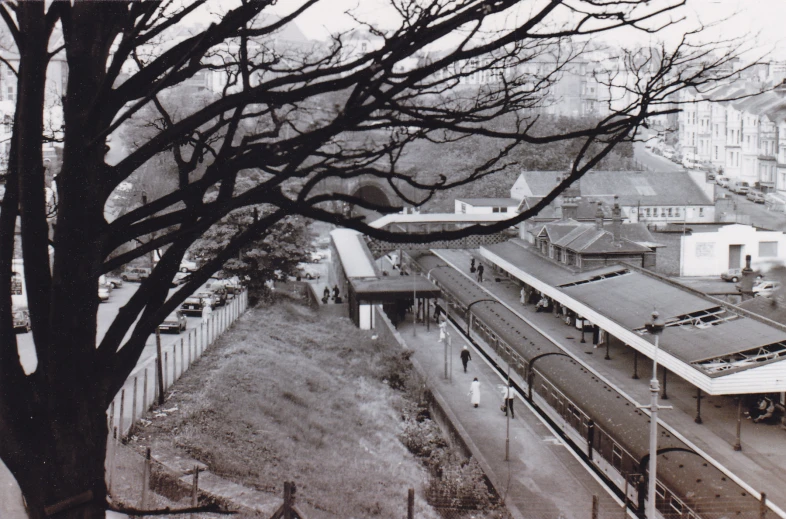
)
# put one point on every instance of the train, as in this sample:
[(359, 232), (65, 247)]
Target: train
[(609, 431)]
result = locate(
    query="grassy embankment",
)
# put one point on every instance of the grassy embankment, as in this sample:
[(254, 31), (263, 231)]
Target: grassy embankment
[(289, 395)]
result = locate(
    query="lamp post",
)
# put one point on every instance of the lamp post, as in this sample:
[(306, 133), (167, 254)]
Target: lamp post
[(654, 327)]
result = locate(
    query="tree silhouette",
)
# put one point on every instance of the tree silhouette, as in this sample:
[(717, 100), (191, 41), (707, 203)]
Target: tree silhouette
[(286, 126)]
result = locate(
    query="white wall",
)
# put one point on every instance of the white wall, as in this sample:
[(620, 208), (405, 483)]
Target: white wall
[(707, 253), (465, 208)]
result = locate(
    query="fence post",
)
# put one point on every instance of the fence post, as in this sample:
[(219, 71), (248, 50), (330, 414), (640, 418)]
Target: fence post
[(145, 479), (411, 503), (174, 364), (183, 366), (112, 461), (189, 348), (763, 506), (144, 392), (166, 370), (195, 487), (159, 368), (133, 405), (122, 410), (287, 500), (594, 507)]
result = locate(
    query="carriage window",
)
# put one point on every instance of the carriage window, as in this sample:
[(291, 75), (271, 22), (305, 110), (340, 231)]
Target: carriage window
[(676, 506), (660, 491), (616, 456)]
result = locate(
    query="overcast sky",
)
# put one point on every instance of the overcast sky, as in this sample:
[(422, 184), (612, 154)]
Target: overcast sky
[(762, 21)]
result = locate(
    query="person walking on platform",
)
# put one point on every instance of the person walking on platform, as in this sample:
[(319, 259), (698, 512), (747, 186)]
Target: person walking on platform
[(472, 266), (474, 392), (336, 293), (523, 296), (480, 273), (508, 394), (443, 331), (465, 357)]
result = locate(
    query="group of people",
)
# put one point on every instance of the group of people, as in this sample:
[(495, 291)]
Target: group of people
[(762, 411), (326, 295), (508, 393)]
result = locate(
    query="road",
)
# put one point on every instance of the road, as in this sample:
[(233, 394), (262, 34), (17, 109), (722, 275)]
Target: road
[(106, 314), (653, 162), (760, 216)]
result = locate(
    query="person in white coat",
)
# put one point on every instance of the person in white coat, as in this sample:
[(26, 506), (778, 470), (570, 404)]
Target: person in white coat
[(474, 392), (207, 310)]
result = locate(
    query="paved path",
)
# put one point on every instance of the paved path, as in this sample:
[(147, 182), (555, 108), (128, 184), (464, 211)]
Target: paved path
[(761, 463), (543, 479)]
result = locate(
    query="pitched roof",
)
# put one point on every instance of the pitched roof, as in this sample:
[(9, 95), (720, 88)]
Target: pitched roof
[(632, 187), (586, 238)]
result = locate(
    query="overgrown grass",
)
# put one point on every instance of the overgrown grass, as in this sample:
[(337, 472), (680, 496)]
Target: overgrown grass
[(290, 395)]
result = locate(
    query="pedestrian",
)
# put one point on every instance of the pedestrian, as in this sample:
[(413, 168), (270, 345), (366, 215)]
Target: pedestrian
[(472, 266), (465, 357), (474, 392), (508, 394), (480, 273), (443, 331), (207, 310), (336, 292), (523, 296)]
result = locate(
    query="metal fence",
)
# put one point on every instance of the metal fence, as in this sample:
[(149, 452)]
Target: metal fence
[(141, 389)]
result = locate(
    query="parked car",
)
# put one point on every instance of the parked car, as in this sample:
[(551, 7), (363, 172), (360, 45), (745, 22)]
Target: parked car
[(318, 256), (722, 181), (766, 288), (21, 320), (218, 292), (306, 271), (188, 266), (193, 303), (180, 278), (754, 196), (103, 293), (135, 274), (740, 187), (174, 322), (668, 153), (114, 281), (732, 275)]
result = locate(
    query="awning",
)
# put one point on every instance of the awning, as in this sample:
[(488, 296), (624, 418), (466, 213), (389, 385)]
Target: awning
[(389, 289)]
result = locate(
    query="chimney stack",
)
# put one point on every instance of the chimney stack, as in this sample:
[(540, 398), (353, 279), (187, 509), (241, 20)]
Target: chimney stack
[(599, 217), (616, 221)]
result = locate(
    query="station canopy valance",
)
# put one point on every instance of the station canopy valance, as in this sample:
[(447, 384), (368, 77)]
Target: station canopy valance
[(388, 289)]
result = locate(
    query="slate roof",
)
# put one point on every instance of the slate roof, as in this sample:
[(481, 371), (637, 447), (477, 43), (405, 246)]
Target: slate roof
[(587, 239), (653, 188)]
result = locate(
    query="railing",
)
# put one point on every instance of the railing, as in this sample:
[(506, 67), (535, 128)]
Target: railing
[(142, 386)]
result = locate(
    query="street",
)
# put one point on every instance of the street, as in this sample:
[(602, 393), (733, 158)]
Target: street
[(106, 314), (760, 216), (652, 161)]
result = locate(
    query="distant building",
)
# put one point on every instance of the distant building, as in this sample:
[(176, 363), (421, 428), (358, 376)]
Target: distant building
[(713, 249), (648, 196), (486, 205), (586, 246)]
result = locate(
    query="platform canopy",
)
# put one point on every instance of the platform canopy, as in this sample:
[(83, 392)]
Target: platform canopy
[(389, 289)]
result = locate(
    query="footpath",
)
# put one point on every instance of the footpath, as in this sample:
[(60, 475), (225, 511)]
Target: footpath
[(542, 478), (760, 464)]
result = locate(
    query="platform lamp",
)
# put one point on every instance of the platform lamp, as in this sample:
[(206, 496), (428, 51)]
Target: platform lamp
[(654, 327)]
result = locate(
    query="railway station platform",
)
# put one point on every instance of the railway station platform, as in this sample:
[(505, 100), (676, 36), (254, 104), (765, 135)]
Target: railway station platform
[(543, 479), (760, 464)]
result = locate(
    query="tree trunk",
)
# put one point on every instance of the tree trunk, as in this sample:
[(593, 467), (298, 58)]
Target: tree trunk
[(68, 463)]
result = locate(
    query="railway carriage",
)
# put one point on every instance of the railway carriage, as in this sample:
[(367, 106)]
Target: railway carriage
[(608, 429)]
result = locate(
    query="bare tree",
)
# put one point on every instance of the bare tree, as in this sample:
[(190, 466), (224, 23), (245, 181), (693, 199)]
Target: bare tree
[(286, 124)]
